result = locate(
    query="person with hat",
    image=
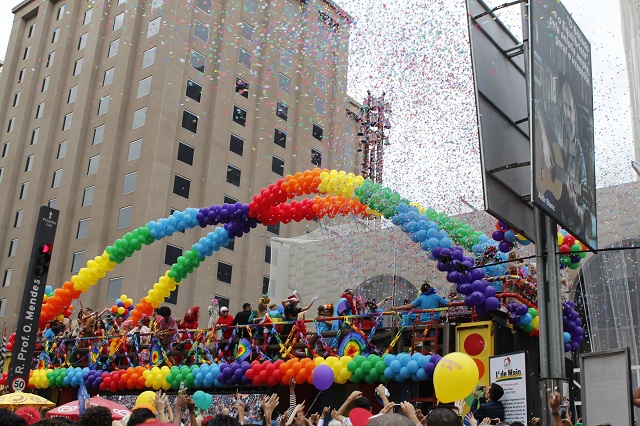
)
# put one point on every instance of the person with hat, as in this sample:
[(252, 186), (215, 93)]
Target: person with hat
[(224, 322), (292, 310), (428, 299)]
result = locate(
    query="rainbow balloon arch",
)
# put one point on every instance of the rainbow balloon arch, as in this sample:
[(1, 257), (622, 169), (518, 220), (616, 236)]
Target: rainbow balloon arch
[(336, 194)]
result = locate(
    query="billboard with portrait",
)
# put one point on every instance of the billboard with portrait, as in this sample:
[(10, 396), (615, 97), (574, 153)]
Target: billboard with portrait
[(562, 120)]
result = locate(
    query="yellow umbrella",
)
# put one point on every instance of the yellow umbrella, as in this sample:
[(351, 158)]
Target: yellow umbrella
[(18, 399)]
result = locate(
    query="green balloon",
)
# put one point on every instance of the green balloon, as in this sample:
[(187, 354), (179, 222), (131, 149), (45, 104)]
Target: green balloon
[(533, 312), (469, 399), (528, 327), (352, 365)]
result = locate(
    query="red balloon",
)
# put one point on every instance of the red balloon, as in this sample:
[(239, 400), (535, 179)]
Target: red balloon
[(565, 248), (113, 387), (250, 374)]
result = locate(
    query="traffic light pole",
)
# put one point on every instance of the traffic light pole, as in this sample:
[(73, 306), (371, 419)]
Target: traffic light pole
[(22, 355)]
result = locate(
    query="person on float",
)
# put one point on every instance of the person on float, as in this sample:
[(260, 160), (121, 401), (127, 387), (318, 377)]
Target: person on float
[(224, 322), (292, 310), (242, 318), (428, 299)]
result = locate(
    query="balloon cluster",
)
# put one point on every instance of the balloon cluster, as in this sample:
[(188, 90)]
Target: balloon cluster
[(380, 198), (420, 228), (3, 378), (206, 375), (404, 366), (182, 374), (339, 366), (122, 306), (156, 378), (507, 237), (38, 378), (11, 341), (571, 250), (93, 379), (525, 317), (266, 373), (367, 369), (203, 400), (57, 377), (178, 221), (234, 374), (74, 376), (300, 369), (572, 327), (480, 295)]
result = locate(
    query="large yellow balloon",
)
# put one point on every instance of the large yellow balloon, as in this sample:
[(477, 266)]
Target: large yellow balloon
[(455, 377), (146, 397)]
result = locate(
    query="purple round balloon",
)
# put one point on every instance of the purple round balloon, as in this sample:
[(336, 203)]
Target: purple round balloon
[(322, 377)]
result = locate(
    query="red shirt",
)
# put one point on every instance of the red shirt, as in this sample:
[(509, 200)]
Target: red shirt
[(225, 321)]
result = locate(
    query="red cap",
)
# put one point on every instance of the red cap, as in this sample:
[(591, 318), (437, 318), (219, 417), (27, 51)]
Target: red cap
[(359, 416)]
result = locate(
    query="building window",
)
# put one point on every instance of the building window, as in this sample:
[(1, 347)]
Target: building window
[(139, 118), (242, 87), (77, 260), (94, 163), (274, 229), (135, 149), (30, 30), (224, 272), (277, 165), (16, 99), (250, 7), (267, 254), (129, 183), (50, 59), (57, 177), (98, 135), (118, 21), (316, 158), (204, 5), (280, 138), (24, 190), (40, 110), (71, 97), (87, 16), (53, 203), (156, 4), (6, 279), (115, 288), (13, 247), (321, 82), (66, 121), (181, 186), (189, 121), (318, 105), (45, 83), (246, 31), (1, 173), (229, 200), (236, 145), (282, 110), (185, 153), (55, 36), (144, 87), (26, 52), (197, 61), (60, 13), (5, 149), (239, 115), (265, 285), (3, 307), (83, 229), (62, 150), (201, 31), (114, 46), (193, 91), (77, 67), (87, 196), (284, 83), (124, 217), (17, 221), (244, 58), (34, 136), (29, 165), (286, 58), (233, 175), (103, 105), (82, 43), (171, 254), (148, 57), (154, 27), (21, 74), (107, 79), (173, 297), (10, 124), (317, 132)]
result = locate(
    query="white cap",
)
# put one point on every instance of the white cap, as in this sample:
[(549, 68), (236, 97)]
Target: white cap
[(224, 308)]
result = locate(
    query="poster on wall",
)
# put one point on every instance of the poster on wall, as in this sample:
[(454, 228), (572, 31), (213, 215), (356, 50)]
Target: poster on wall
[(510, 372)]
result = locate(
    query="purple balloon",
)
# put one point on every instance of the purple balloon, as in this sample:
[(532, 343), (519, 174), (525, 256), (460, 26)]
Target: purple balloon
[(578, 331), (464, 277), (436, 251), (570, 304), (466, 289), (498, 235), (477, 298), (428, 368), (511, 306), (452, 277), (514, 318), (492, 303), (442, 267), (578, 322), (481, 309), (505, 246), (435, 359), (445, 252), (567, 347), (457, 255), (574, 346), (489, 291), (322, 377), (477, 274), (478, 285), (521, 309)]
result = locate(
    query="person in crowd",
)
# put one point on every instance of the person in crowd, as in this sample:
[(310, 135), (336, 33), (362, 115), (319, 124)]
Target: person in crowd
[(214, 313), (95, 416), (292, 310), (165, 326), (373, 308), (141, 330), (99, 329), (488, 404), (9, 418), (346, 306), (428, 299), (242, 318), (224, 322), (30, 414), (140, 415), (257, 315)]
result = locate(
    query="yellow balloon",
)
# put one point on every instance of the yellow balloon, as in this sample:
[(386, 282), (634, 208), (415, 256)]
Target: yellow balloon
[(536, 323), (560, 239), (146, 397), (121, 310), (455, 377), (318, 360)]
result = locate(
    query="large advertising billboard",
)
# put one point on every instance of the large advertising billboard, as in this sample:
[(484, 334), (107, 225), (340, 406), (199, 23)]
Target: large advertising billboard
[(562, 111)]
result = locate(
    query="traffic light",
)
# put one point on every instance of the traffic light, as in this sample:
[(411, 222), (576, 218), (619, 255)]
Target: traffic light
[(43, 258)]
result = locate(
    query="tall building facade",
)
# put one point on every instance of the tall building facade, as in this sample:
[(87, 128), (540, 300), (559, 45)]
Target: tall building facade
[(120, 112), (630, 17)]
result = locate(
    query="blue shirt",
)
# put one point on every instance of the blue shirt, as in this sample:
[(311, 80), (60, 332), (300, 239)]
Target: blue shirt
[(408, 319), (429, 301)]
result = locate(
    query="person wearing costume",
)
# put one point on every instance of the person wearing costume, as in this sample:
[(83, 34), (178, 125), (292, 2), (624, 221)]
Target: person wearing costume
[(346, 306), (291, 310), (225, 320), (214, 313), (164, 325), (257, 315)]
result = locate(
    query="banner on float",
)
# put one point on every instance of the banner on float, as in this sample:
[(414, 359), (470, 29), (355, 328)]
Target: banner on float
[(510, 372)]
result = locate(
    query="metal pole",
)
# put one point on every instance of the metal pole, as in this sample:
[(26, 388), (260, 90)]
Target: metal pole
[(543, 296), (554, 313)]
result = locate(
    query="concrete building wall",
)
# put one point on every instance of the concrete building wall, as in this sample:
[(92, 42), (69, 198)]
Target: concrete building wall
[(630, 17)]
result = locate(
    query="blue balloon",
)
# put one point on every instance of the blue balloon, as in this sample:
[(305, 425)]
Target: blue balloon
[(567, 337)]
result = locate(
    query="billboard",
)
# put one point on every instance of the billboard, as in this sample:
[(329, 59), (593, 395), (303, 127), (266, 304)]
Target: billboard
[(563, 163), (510, 372)]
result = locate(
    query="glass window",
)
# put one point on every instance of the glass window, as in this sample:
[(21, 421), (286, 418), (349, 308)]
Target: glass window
[(3, 307), (244, 58), (171, 254), (233, 175), (154, 27), (66, 121), (224, 272), (318, 105), (24, 190), (282, 110), (114, 46), (205, 5), (10, 124), (242, 87), (129, 183), (201, 31), (189, 121), (181, 186), (34, 136), (277, 165), (173, 296), (83, 229), (45, 83), (197, 61), (103, 105), (17, 221), (115, 288), (193, 90), (108, 77), (1, 173), (60, 13), (71, 97), (246, 31), (13, 247), (82, 43), (77, 67), (185, 153), (87, 196), (280, 138), (16, 99), (316, 158), (94, 163), (265, 285), (321, 82), (148, 57), (274, 229), (50, 58), (286, 58), (87, 16), (30, 31), (55, 36), (250, 7), (118, 21), (62, 150), (139, 118), (40, 110), (124, 217), (5, 149), (236, 145), (21, 74), (284, 83), (6, 280), (53, 203), (267, 254), (29, 165), (239, 115), (229, 200), (317, 132), (57, 177), (26, 52), (135, 148), (144, 87), (98, 135), (77, 260)]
